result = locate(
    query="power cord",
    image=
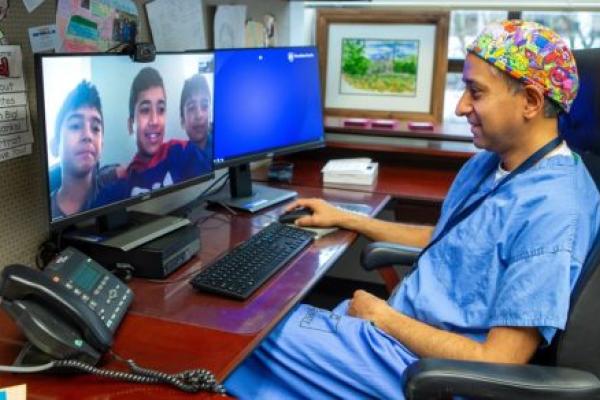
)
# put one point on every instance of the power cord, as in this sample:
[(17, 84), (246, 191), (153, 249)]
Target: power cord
[(230, 210), (187, 210), (48, 250), (222, 218), (26, 370), (207, 192)]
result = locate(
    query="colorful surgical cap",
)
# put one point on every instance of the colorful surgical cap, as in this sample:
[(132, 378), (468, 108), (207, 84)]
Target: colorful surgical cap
[(532, 54)]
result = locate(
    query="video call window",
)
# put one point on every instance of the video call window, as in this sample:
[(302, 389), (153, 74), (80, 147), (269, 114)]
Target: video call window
[(116, 129)]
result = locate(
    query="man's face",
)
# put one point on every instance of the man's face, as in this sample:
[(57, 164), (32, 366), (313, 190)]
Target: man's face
[(490, 106), (149, 120), (81, 136), (195, 117)]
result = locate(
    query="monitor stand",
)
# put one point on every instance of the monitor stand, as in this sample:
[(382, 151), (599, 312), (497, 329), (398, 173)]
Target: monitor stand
[(125, 230), (247, 196)]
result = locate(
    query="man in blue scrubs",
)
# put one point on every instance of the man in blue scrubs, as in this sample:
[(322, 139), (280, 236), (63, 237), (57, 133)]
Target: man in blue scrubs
[(494, 281)]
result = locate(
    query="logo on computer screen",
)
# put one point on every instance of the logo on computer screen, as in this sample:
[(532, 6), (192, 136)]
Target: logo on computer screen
[(293, 56)]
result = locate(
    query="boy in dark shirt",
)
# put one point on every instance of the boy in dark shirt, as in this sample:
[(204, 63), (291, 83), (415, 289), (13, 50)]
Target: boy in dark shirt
[(194, 110)]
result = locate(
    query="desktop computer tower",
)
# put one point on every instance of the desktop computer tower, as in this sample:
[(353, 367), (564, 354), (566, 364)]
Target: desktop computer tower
[(155, 259)]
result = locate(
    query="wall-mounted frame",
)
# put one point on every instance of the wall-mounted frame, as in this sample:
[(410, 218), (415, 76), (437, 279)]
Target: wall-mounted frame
[(383, 63)]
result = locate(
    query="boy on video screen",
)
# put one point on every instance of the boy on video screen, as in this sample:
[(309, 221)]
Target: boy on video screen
[(78, 140), (157, 163), (194, 110)]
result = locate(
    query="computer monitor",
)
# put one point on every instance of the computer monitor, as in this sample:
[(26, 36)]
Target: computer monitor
[(267, 102), (119, 132)]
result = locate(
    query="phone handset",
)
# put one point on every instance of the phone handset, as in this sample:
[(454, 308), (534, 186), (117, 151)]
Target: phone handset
[(26, 290)]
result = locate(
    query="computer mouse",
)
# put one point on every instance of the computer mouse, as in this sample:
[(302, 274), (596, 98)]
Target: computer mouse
[(292, 215)]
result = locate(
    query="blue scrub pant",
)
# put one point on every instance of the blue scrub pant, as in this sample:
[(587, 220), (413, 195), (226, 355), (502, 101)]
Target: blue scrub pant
[(322, 354)]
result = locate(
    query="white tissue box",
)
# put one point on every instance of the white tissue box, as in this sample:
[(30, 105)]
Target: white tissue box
[(355, 177)]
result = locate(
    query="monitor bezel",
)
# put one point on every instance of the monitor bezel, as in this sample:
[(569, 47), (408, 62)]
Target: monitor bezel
[(274, 151), (74, 219)]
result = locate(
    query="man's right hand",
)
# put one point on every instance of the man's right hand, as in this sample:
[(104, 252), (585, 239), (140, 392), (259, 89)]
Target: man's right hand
[(324, 214)]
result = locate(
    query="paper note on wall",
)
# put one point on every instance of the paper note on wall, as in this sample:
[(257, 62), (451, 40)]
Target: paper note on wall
[(229, 27), (43, 38), (177, 25), (15, 127), (255, 34), (95, 26), (31, 5)]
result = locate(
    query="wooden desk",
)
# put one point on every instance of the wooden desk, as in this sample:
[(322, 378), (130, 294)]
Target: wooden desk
[(171, 327)]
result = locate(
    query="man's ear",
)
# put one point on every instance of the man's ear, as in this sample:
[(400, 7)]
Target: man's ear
[(182, 121), (534, 101), (130, 125)]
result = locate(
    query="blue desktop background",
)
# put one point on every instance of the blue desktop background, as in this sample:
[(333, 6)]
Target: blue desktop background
[(265, 99)]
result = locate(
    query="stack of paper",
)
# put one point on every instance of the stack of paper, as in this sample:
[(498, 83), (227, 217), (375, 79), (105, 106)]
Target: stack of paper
[(351, 171)]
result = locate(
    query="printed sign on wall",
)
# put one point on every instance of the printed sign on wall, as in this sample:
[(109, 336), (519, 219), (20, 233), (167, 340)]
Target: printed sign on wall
[(15, 125)]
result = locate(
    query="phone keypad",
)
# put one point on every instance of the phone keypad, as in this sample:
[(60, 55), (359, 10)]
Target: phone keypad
[(101, 291), (109, 303), (114, 302)]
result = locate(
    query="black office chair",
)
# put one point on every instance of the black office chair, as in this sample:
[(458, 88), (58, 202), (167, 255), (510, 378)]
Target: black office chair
[(570, 367)]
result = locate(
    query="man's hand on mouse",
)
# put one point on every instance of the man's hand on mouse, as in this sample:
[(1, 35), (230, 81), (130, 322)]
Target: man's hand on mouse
[(324, 214)]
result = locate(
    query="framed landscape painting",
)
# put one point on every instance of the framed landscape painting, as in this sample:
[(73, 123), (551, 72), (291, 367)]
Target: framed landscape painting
[(383, 63)]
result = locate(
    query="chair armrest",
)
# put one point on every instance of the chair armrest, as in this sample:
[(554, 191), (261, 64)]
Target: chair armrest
[(380, 254), (438, 379)]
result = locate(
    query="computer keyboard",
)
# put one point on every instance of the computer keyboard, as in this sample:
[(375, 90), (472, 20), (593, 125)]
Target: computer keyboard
[(241, 271)]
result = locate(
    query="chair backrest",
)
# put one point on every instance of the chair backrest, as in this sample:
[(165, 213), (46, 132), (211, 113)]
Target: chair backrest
[(581, 126), (578, 346)]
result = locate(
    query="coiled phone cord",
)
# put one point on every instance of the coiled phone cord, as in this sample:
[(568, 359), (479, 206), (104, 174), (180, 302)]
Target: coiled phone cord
[(191, 381)]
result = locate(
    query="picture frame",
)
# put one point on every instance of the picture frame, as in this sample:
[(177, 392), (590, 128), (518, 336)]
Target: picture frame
[(383, 63)]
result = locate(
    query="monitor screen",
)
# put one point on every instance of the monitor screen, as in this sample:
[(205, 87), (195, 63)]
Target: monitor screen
[(266, 100), (118, 132)]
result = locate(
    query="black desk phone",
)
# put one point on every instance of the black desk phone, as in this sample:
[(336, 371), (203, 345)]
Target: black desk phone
[(70, 310)]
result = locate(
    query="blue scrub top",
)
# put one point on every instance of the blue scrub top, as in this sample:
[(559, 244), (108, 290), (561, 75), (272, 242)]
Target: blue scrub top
[(515, 259)]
